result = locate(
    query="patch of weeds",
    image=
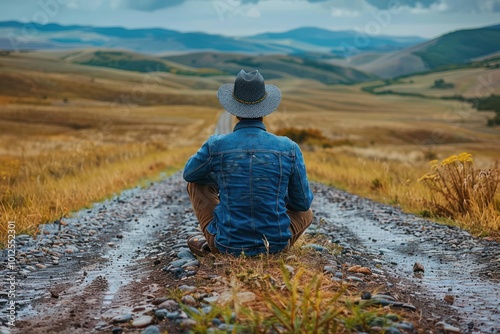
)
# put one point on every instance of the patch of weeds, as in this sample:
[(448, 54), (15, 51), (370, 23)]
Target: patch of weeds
[(302, 308)]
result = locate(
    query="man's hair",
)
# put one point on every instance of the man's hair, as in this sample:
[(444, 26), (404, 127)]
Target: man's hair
[(250, 119)]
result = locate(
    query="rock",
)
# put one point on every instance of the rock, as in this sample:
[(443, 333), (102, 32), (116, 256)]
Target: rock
[(447, 328), (386, 302), (179, 263), (184, 254), (173, 315), (170, 305), (418, 267), (406, 326), (409, 306), (366, 295), (194, 263), (382, 296), (316, 247), (449, 299), (139, 308), (151, 330), (189, 300), (354, 279), (40, 266), (161, 314), (290, 269), (211, 299), (187, 288), (392, 330), (187, 324), (360, 270), (122, 318), (117, 330), (159, 300), (143, 321), (329, 269)]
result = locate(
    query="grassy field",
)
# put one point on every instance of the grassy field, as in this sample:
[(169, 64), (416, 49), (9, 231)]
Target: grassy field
[(467, 82), (72, 134)]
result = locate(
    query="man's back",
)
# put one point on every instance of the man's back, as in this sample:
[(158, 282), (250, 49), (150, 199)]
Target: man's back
[(258, 174), (249, 189)]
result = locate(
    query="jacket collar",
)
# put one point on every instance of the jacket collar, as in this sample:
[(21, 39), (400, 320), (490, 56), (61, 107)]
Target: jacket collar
[(250, 124)]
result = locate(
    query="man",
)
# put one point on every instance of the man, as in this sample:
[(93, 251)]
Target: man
[(249, 188)]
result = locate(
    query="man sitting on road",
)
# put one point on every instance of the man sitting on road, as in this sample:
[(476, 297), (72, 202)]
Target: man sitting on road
[(249, 188)]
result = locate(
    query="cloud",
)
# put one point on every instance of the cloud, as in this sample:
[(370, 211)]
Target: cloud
[(477, 6), (464, 6), (149, 5), (383, 4)]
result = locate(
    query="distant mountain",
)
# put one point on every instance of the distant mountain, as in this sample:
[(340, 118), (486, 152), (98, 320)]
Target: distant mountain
[(299, 41), (459, 47), (336, 41)]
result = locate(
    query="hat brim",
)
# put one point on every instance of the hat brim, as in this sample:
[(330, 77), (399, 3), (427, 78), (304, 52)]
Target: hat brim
[(242, 110)]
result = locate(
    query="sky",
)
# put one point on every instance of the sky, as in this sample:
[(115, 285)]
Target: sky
[(425, 18)]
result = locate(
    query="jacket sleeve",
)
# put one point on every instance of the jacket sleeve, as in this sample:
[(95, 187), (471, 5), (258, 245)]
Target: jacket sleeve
[(198, 168), (300, 195)]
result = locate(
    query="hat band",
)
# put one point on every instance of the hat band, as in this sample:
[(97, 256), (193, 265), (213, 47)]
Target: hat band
[(252, 102)]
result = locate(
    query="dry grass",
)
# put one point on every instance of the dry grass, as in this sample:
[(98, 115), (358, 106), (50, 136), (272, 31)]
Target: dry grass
[(463, 193), (58, 156), (286, 293), (82, 133)]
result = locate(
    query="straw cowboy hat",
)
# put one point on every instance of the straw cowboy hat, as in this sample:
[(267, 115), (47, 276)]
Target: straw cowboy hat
[(249, 96)]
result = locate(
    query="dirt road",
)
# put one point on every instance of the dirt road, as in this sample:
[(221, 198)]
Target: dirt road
[(104, 266)]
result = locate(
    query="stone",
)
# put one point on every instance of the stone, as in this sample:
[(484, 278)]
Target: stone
[(447, 328), (392, 330), (184, 254), (450, 299), (187, 288), (173, 315), (143, 321), (290, 269), (161, 314), (159, 300), (194, 263), (187, 324), (354, 279), (170, 305), (418, 267), (189, 300), (316, 247), (329, 269), (360, 270), (122, 318), (151, 330), (117, 330), (179, 263)]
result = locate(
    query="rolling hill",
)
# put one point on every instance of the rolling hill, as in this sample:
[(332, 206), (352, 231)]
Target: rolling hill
[(156, 40), (274, 67), (459, 47)]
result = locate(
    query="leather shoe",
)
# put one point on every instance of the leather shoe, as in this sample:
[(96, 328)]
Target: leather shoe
[(198, 245)]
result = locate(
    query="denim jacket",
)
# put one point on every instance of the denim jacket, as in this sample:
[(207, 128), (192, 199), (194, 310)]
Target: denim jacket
[(259, 175)]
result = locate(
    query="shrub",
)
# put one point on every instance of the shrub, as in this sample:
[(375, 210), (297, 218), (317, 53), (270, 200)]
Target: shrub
[(459, 190), (311, 137)]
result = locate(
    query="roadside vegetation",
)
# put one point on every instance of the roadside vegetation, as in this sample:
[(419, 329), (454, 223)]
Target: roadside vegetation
[(289, 293)]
